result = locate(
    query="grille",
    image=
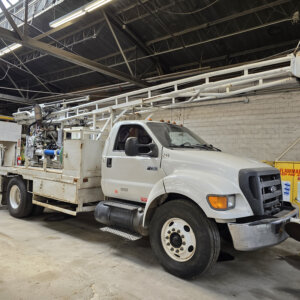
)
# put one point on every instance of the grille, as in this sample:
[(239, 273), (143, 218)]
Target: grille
[(271, 193), (262, 188)]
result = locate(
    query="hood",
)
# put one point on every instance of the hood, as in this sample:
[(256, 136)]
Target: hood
[(213, 162)]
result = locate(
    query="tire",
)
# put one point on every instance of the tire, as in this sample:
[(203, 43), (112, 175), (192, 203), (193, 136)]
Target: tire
[(18, 199), (195, 247), (37, 210)]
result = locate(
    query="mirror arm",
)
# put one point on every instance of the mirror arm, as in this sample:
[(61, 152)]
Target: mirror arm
[(153, 149), (132, 148)]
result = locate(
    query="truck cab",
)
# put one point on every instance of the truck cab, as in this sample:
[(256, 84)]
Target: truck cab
[(131, 176), (181, 191)]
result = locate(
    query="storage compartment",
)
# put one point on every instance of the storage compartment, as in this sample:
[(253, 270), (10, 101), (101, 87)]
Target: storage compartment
[(8, 156), (10, 132), (82, 154), (10, 143), (57, 190)]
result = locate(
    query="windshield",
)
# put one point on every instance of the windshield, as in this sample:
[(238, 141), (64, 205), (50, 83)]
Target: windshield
[(174, 136)]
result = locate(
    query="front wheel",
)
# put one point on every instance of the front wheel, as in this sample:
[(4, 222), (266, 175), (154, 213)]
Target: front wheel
[(183, 239)]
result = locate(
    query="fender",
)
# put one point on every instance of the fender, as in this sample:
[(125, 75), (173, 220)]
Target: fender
[(158, 192), (196, 185)]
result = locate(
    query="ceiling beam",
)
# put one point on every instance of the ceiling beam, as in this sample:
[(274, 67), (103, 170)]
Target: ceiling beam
[(218, 21), (117, 42), (145, 45), (179, 48), (193, 64), (142, 15), (14, 99), (10, 20), (161, 68), (25, 28), (70, 57), (136, 40), (13, 82)]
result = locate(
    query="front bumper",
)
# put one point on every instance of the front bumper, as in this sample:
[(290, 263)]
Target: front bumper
[(261, 233)]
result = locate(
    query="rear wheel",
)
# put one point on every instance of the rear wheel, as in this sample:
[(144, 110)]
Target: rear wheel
[(184, 240), (18, 199)]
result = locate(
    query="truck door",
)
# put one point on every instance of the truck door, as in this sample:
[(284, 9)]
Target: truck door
[(129, 177)]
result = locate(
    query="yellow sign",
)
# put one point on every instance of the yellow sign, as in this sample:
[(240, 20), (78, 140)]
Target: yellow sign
[(290, 178)]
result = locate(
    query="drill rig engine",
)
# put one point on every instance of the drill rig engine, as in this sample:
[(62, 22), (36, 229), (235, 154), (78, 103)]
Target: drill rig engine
[(43, 140)]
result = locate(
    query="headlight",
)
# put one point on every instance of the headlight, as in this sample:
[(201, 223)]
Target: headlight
[(221, 202)]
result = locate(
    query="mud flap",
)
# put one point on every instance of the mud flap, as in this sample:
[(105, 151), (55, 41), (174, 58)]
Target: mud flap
[(293, 229)]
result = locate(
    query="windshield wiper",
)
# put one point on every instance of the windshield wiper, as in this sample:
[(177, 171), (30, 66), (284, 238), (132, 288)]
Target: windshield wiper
[(182, 146), (208, 147), (215, 148), (197, 146)]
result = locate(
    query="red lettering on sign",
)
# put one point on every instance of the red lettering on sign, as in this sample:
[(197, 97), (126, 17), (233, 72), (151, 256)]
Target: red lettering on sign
[(289, 172)]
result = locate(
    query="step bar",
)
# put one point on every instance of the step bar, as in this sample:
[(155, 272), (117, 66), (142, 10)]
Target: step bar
[(64, 210)]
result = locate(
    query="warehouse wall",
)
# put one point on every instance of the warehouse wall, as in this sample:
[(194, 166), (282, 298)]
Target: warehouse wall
[(260, 129)]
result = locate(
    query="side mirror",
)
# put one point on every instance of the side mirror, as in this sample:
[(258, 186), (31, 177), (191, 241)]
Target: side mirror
[(133, 148)]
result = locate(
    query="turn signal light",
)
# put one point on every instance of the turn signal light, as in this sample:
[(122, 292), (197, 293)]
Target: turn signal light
[(221, 202)]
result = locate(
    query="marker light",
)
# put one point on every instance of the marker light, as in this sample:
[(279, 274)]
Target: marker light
[(221, 202)]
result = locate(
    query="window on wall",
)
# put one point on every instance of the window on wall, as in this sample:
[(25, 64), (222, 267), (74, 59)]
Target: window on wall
[(7, 3)]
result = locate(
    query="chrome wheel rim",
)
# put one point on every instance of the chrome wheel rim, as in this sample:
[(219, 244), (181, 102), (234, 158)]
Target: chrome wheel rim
[(178, 239), (15, 197)]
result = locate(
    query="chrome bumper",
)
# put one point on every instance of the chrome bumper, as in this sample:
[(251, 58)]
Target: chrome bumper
[(261, 233)]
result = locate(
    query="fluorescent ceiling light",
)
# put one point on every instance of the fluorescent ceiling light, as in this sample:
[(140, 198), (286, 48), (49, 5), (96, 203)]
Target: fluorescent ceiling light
[(67, 18), (78, 12), (9, 48), (95, 4)]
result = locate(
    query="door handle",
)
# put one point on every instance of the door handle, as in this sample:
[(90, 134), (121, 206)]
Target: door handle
[(109, 162)]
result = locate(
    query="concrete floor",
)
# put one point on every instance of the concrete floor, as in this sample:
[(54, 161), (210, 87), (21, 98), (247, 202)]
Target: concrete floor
[(42, 258)]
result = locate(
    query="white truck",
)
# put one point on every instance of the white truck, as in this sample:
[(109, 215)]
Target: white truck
[(148, 178)]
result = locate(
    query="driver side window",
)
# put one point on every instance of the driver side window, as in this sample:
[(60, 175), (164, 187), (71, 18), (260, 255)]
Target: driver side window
[(127, 131)]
